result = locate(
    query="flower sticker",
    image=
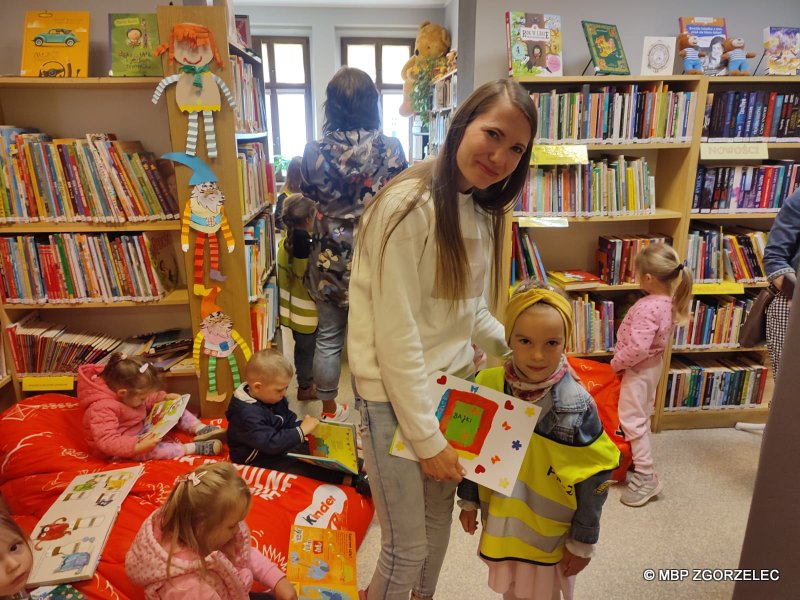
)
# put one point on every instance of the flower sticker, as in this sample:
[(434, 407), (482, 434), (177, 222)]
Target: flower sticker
[(504, 483), (516, 445)]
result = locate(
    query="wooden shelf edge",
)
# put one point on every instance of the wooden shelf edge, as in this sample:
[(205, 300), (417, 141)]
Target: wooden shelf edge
[(712, 418), (82, 227), (5, 381), (174, 298), (718, 349), (661, 213), (79, 82), (731, 216)]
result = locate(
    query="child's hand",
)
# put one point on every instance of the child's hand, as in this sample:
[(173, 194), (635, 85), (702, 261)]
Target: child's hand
[(147, 442), (571, 564), (284, 590), (309, 424), (172, 396), (469, 520)]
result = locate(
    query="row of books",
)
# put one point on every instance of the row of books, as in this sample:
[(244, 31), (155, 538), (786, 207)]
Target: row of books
[(439, 125), (616, 254), (264, 316), (593, 329), (623, 114), (704, 252), (714, 322), (260, 253), (68, 268), (732, 253), (614, 185), (256, 178), (746, 189), (96, 179), (751, 116), (526, 261), (248, 91), (706, 383)]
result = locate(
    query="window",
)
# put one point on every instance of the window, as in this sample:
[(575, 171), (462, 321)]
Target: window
[(383, 59), (287, 87)]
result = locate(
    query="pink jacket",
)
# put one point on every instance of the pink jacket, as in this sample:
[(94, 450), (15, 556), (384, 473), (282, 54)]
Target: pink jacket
[(111, 427), (644, 332), (146, 565)]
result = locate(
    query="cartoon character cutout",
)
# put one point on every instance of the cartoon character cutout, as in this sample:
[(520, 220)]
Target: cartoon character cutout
[(197, 89), (217, 339), (205, 213), (74, 557), (52, 531)]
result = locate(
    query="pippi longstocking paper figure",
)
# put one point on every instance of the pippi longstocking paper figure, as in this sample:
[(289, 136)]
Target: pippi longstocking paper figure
[(217, 339), (205, 213), (197, 90)]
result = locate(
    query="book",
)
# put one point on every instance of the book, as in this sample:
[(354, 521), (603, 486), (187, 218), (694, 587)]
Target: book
[(242, 23), (166, 361), (782, 47), (164, 415), (574, 280), (658, 55), (69, 538), (169, 340), (332, 446), (133, 37), (55, 44), (490, 430), (605, 46), (56, 592), (322, 563), (533, 44), (711, 33)]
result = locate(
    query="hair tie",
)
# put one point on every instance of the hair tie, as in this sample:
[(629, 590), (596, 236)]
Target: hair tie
[(680, 267), (123, 356), (194, 477), (144, 366)]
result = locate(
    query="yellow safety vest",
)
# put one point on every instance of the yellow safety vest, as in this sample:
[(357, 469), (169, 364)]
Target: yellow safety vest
[(298, 310), (532, 523)]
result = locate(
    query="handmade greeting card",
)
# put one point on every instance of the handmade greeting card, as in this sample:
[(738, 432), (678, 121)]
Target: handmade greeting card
[(322, 563), (489, 430)]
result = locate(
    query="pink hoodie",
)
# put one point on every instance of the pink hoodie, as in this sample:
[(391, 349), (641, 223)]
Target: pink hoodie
[(146, 565), (111, 427)]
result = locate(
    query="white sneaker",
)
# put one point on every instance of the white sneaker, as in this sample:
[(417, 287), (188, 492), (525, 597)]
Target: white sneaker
[(342, 414)]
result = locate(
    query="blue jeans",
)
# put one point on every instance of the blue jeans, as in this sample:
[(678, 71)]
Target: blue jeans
[(415, 513), (304, 346), (330, 342)]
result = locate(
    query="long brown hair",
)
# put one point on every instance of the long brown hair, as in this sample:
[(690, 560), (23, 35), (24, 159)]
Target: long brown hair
[(440, 178)]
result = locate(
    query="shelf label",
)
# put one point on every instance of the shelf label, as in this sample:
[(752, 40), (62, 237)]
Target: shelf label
[(734, 150), (48, 383), (542, 221), (571, 154), (726, 287)]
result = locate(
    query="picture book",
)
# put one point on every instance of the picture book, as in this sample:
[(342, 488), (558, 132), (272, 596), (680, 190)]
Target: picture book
[(782, 47), (242, 23), (164, 416), (574, 280), (658, 55), (605, 46), (133, 38), (322, 563), (69, 538), (490, 430), (710, 33), (55, 44), (333, 446), (533, 44), (56, 592)]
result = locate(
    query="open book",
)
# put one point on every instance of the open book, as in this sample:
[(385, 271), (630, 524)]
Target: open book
[(164, 415), (322, 563), (333, 446)]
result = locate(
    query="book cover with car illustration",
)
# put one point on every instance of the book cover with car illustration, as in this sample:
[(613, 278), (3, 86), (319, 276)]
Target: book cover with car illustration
[(55, 44)]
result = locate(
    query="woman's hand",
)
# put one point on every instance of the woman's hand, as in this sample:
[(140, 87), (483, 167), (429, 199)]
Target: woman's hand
[(571, 564), (469, 520), (444, 466)]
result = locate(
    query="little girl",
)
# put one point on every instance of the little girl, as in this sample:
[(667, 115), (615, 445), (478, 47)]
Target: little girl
[(540, 536), (298, 310), (16, 559), (197, 544), (116, 399), (641, 340)]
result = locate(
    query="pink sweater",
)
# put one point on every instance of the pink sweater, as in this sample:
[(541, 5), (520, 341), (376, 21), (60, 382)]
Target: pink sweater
[(146, 565), (111, 427), (644, 332)]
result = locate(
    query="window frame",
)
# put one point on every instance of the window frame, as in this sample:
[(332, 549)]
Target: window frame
[(379, 42)]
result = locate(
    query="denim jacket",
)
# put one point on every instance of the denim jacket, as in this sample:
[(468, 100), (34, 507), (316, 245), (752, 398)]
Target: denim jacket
[(782, 254)]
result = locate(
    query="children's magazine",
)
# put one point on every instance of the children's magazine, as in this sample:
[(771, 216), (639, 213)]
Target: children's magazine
[(322, 563), (333, 446)]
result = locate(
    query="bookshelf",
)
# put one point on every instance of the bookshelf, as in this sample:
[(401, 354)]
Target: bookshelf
[(568, 241), (443, 104)]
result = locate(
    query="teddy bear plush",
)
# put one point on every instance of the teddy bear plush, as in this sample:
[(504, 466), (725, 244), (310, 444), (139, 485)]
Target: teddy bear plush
[(736, 56), (687, 48), (432, 43)]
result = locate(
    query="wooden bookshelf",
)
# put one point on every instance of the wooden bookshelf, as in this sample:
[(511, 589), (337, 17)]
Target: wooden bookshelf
[(46, 227), (79, 83)]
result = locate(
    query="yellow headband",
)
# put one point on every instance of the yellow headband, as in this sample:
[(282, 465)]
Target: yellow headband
[(519, 302)]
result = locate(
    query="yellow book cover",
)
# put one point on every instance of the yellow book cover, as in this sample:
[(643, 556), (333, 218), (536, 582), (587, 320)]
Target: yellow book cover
[(322, 563), (333, 446), (55, 44)]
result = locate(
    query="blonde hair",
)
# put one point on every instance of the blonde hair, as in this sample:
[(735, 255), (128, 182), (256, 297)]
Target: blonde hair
[(198, 503), (294, 176), (266, 365), (130, 372), (662, 262)]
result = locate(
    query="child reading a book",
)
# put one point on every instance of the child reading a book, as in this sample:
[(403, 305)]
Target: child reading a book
[(16, 559), (116, 398), (534, 549), (262, 428), (298, 310), (642, 337), (197, 545)]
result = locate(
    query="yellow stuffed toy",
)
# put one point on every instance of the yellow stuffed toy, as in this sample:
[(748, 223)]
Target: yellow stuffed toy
[(431, 45)]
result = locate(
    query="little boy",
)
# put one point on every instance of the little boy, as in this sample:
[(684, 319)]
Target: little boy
[(262, 428)]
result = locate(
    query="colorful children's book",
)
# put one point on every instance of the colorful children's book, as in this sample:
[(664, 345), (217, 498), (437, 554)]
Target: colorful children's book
[(533, 44), (322, 563), (164, 416), (782, 46), (56, 592), (55, 44), (710, 33), (490, 430), (69, 539), (658, 55), (333, 446), (605, 46), (574, 280), (133, 38)]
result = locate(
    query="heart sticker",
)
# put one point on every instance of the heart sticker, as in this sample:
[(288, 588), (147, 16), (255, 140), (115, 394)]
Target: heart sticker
[(480, 469), (442, 380), (509, 405)]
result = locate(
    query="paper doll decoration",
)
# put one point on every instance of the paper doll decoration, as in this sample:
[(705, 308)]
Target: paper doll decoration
[(197, 89), (217, 339), (205, 213)]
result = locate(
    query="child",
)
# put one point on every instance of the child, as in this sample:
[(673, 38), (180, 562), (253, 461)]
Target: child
[(291, 185), (298, 310), (16, 559), (540, 536), (641, 340), (262, 428), (116, 399), (197, 544)]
